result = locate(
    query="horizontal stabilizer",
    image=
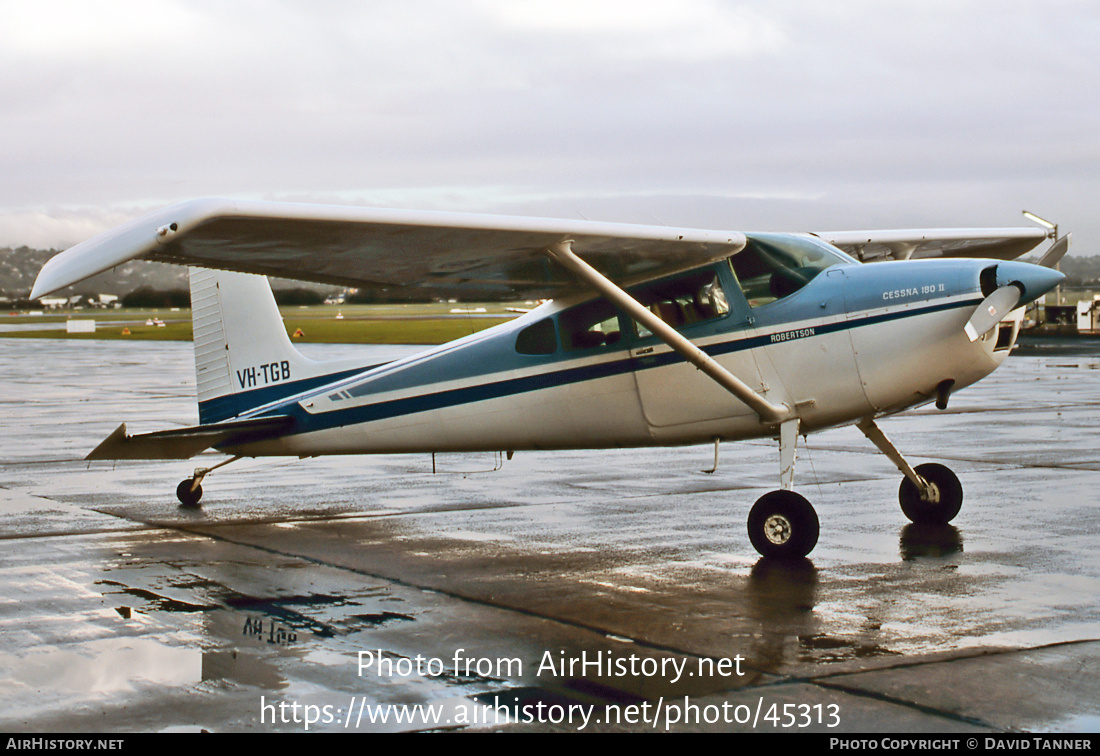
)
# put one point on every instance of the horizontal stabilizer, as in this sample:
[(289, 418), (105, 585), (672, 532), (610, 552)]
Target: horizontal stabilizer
[(184, 443)]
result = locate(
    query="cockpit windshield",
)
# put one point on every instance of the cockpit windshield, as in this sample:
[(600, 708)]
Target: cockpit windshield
[(773, 266)]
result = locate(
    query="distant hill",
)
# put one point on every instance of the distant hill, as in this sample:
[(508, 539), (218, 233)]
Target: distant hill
[(1081, 271), (20, 266)]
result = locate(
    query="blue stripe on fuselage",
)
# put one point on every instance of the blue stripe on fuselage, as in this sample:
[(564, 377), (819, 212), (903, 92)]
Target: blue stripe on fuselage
[(231, 405), (307, 423)]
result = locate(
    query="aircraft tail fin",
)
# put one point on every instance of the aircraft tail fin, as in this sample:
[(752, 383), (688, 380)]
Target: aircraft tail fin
[(243, 356)]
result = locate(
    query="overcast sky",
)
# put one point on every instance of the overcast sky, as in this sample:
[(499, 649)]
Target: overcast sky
[(769, 115)]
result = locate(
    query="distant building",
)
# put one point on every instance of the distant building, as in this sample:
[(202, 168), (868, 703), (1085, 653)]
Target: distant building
[(1088, 315), (79, 301)]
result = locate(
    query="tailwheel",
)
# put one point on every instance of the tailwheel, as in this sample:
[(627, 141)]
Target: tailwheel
[(189, 492), (939, 504), (783, 524)]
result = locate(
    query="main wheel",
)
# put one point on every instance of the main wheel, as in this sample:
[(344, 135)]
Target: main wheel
[(939, 509), (783, 524), (188, 493)]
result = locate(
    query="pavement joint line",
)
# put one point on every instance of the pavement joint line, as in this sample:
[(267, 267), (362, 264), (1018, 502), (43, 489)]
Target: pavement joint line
[(946, 657), (424, 512), (823, 680), (144, 527), (1032, 409), (922, 708), (153, 524), (994, 465)]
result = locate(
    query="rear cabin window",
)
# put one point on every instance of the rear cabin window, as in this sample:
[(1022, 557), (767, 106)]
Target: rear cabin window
[(591, 325), (539, 338)]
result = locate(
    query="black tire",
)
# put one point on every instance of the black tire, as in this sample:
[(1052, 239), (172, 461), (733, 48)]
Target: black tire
[(927, 512), (188, 497), (782, 524)]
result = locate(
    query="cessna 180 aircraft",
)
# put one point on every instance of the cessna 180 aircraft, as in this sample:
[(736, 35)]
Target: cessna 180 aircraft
[(652, 336)]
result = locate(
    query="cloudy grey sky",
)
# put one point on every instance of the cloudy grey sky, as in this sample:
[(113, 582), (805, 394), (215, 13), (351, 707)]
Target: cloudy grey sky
[(777, 115)]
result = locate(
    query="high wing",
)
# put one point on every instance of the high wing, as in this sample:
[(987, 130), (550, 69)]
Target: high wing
[(397, 255), (998, 243), (402, 255)]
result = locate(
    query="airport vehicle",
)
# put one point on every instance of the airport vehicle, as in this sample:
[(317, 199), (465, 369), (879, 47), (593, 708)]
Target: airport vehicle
[(652, 336)]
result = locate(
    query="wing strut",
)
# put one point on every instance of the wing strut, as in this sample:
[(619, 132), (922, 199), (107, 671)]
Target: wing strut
[(769, 413)]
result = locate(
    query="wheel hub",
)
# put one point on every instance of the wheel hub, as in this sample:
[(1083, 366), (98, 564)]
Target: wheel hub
[(930, 493), (777, 529)]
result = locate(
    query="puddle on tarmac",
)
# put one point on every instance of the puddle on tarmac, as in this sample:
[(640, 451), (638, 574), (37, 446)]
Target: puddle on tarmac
[(244, 638), (154, 601), (103, 666), (123, 665), (825, 648), (281, 620), (241, 667)]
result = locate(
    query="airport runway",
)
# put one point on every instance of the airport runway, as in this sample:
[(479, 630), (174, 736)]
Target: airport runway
[(610, 590)]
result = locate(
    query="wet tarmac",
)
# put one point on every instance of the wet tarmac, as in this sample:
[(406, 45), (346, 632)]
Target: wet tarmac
[(610, 590)]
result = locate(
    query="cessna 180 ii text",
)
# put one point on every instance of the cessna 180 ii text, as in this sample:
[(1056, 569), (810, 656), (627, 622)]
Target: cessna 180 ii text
[(652, 336)]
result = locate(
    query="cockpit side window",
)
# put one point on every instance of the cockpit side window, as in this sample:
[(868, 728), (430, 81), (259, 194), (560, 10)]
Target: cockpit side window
[(772, 267), (685, 300)]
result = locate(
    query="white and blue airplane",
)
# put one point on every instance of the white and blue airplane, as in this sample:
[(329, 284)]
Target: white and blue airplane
[(652, 336)]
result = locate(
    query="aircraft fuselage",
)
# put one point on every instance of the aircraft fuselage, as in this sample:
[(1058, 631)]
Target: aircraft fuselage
[(855, 341)]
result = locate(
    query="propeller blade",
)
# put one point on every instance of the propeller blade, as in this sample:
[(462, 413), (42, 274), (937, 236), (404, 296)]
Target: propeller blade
[(991, 310)]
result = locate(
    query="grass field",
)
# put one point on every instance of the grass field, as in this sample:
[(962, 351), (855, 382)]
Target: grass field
[(361, 324)]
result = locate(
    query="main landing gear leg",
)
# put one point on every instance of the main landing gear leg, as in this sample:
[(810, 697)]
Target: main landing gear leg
[(782, 523), (930, 494), (189, 491)]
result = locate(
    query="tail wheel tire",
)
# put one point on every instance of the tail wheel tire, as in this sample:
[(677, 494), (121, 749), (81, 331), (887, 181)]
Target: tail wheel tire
[(188, 493), (783, 524), (943, 507)]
